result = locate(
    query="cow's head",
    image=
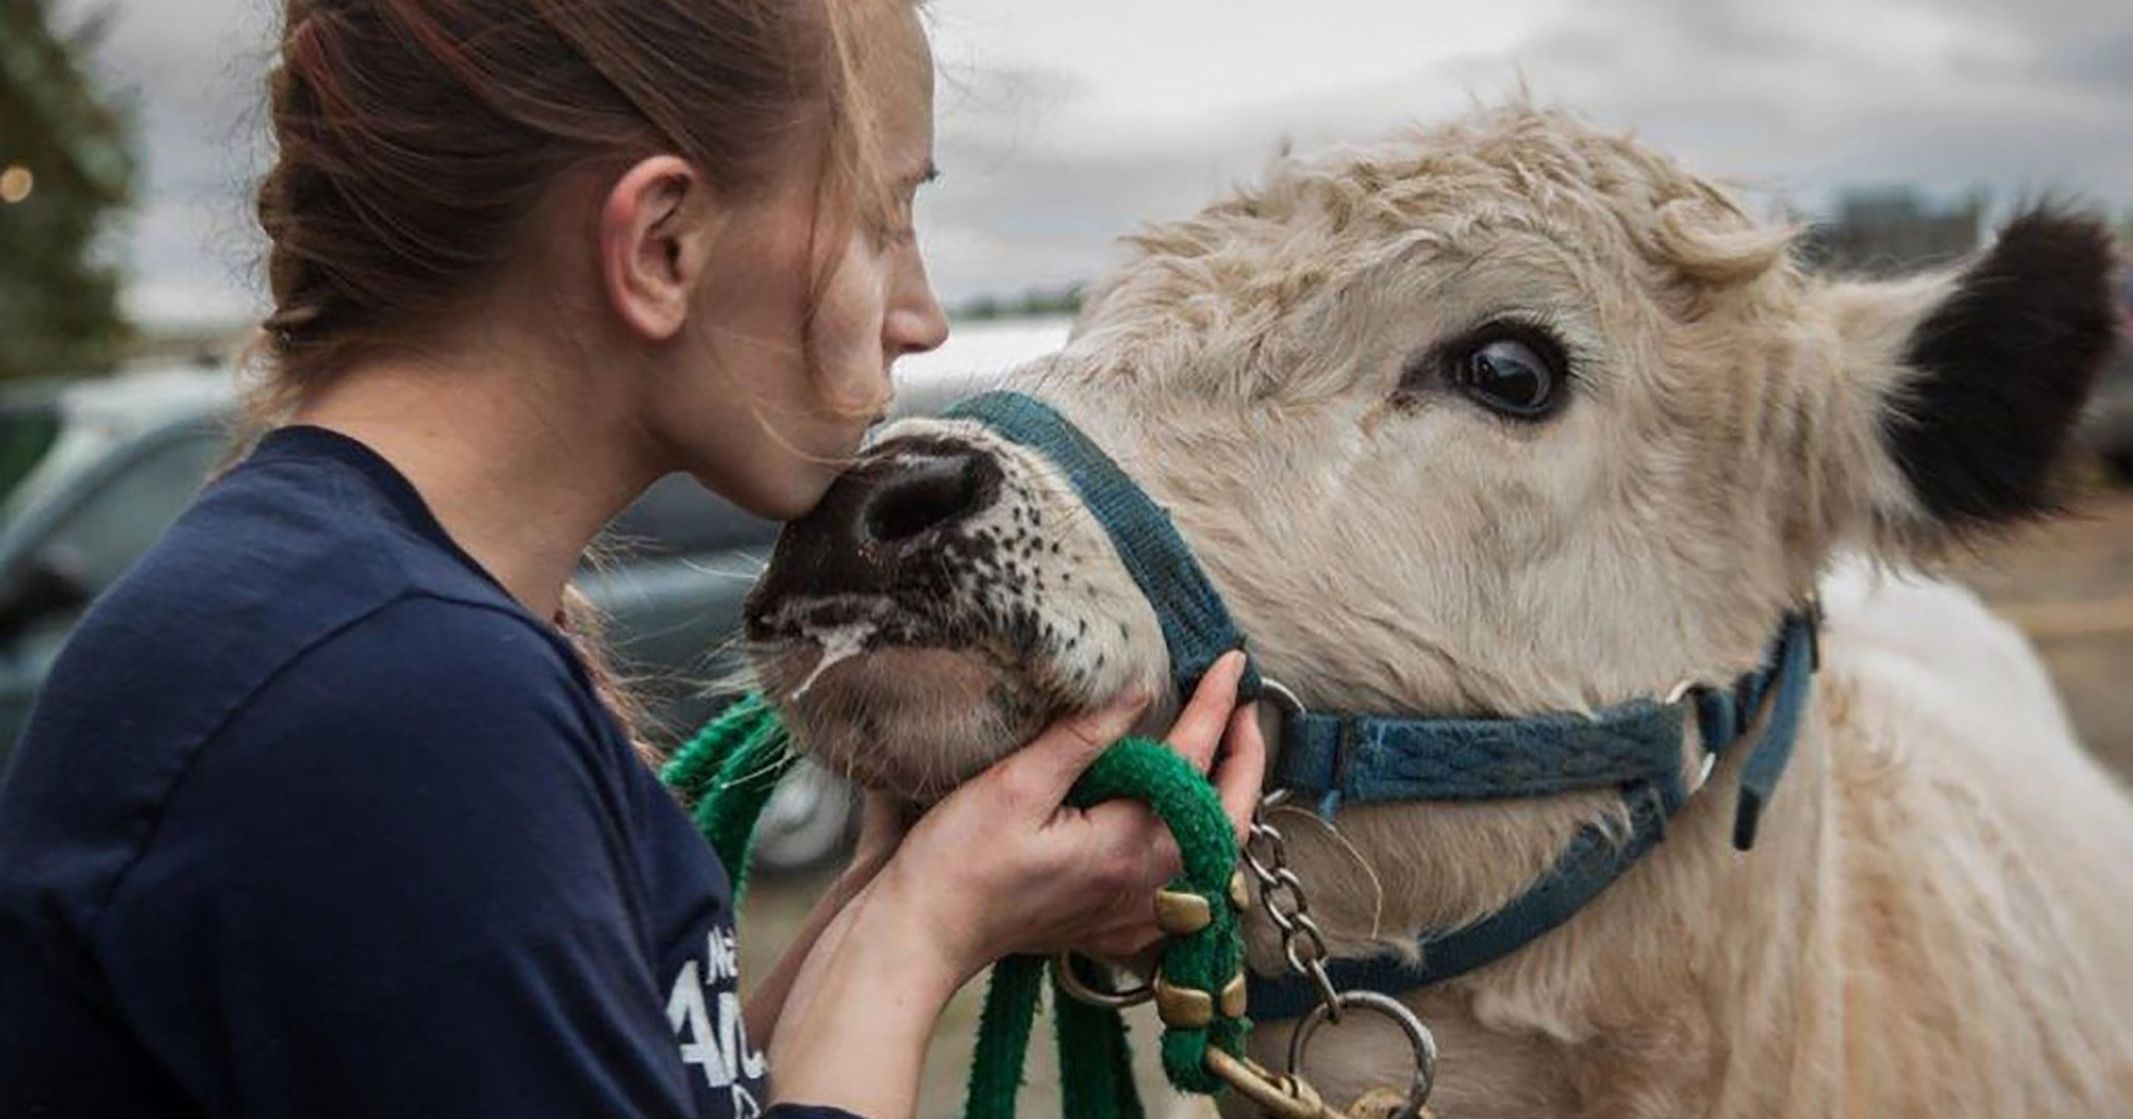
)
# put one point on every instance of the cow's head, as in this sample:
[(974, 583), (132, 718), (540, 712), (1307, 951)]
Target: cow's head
[(1503, 417)]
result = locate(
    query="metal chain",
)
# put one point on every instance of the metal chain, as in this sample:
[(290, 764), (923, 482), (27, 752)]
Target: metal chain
[(1303, 945), (1281, 897)]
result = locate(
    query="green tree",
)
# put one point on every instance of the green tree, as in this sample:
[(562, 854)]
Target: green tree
[(66, 171)]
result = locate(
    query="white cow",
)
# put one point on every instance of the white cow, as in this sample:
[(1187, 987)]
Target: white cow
[(1511, 417)]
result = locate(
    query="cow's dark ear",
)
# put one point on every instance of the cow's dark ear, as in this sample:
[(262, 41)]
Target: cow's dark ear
[(2003, 367), (1981, 374)]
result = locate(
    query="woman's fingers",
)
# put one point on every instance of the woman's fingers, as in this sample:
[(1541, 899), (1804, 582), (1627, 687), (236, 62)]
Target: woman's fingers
[(1199, 727), (1042, 772), (1129, 926), (1038, 776), (1088, 878), (1138, 844), (1123, 943), (1243, 770), (1121, 929)]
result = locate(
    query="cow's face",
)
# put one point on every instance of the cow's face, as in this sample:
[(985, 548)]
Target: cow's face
[(1507, 417)]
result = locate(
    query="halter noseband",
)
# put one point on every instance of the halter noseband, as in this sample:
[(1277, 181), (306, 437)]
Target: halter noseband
[(1346, 758)]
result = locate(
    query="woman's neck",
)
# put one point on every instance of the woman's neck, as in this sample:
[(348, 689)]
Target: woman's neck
[(522, 463)]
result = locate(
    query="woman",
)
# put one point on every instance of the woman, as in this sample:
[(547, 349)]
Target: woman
[(323, 812)]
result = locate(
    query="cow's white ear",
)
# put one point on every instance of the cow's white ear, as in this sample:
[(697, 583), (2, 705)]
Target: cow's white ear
[(1975, 377)]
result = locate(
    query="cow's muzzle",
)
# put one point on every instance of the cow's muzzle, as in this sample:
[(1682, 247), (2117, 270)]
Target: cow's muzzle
[(883, 528)]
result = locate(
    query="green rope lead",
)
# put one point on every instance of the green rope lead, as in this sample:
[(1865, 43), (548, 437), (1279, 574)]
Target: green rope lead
[(731, 767), (996, 1067), (1095, 1062), (728, 771), (1208, 960)]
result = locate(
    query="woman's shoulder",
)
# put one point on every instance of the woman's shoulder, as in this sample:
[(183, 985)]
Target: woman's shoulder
[(430, 675), (312, 531), (420, 701), (274, 561), (425, 696), (429, 662), (291, 613)]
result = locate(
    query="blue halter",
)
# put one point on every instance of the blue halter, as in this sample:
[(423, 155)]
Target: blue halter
[(1337, 759)]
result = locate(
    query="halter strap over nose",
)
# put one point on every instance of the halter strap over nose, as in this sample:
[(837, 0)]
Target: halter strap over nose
[(1197, 629)]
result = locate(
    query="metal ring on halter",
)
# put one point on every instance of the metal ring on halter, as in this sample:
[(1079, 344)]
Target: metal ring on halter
[(1418, 1037), (1283, 697), (1680, 693), (1071, 982)]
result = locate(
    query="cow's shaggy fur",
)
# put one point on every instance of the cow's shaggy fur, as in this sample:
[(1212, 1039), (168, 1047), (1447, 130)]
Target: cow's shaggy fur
[(1932, 923)]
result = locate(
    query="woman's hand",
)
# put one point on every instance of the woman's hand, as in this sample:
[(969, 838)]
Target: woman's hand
[(883, 820), (1003, 866)]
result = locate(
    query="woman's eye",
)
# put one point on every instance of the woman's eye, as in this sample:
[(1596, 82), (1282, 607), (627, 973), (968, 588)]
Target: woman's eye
[(1510, 377)]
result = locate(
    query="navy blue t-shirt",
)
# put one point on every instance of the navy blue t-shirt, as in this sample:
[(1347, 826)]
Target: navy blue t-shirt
[(313, 820)]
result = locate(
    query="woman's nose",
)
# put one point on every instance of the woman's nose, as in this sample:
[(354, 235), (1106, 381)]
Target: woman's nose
[(916, 323), (917, 330)]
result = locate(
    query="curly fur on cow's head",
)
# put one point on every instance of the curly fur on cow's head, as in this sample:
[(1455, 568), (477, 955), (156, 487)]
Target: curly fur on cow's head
[(1507, 416)]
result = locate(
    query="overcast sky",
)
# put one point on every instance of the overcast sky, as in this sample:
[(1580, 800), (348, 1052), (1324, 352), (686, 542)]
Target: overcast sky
[(1064, 124)]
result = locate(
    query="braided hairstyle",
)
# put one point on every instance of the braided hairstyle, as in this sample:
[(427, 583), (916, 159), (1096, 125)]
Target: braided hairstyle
[(418, 141)]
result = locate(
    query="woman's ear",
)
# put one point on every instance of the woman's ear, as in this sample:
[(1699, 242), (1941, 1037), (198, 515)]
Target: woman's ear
[(656, 229), (1976, 376)]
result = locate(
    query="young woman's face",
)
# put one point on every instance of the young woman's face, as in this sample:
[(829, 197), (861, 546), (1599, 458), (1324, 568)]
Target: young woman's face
[(778, 382)]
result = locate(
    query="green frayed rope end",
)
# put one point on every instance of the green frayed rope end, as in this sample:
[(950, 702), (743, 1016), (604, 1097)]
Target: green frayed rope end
[(727, 773)]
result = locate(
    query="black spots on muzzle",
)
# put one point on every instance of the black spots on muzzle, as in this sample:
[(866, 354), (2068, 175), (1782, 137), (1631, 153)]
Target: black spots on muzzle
[(933, 542)]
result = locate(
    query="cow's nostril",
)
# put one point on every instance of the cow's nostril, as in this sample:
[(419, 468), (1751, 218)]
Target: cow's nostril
[(935, 492)]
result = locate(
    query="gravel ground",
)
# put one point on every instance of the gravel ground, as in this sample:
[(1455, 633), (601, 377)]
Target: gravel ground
[(2069, 584)]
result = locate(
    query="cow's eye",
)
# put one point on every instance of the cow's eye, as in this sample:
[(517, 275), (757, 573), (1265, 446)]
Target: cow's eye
[(1515, 372)]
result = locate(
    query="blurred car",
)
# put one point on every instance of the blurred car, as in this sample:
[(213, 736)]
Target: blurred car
[(93, 472)]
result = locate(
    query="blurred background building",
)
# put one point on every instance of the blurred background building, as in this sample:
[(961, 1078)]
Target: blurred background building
[(1887, 230)]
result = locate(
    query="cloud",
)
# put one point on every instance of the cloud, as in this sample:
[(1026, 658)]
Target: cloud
[(1796, 101), (1064, 126), (1815, 95), (193, 72), (2104, 60)]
